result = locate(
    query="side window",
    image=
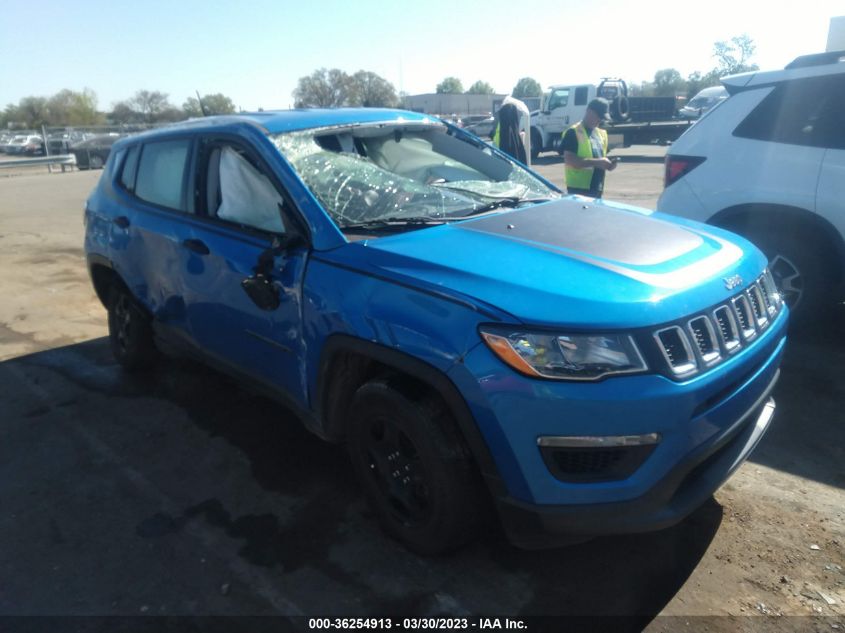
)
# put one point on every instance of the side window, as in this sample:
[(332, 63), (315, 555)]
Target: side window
[(559, 98), (831, 122), (161, 173), (807, 112), (238, 191), (581, 95), (130, 168)]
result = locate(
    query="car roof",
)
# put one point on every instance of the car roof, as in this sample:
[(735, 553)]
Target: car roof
[(279, 121), (805, 67)]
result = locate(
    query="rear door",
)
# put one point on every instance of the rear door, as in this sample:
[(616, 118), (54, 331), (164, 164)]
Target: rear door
[(152, 224), (241, 210)]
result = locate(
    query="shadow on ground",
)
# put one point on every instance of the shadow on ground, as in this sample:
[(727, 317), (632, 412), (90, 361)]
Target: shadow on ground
[(307, 525), (807, 437)]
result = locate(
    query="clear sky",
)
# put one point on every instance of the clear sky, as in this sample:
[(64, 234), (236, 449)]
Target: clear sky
[(254, 51)]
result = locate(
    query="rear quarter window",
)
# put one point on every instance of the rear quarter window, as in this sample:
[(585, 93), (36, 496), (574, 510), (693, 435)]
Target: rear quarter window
[(130, 168), (161, 173), (807, 112)]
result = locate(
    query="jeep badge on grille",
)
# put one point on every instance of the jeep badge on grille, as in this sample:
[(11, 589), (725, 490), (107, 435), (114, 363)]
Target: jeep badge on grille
[(732, 282)]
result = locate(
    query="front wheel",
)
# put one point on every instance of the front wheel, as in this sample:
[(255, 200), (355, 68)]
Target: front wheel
[(414, 467)]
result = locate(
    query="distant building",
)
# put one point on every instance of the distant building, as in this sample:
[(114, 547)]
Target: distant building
[(836, 34), (459, 104)]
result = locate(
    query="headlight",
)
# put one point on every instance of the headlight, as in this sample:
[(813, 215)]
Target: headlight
[(565, 356)]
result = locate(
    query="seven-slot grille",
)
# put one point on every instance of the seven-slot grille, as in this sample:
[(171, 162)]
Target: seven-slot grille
[(706, 339)]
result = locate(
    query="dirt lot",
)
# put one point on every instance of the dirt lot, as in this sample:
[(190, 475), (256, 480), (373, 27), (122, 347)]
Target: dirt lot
[(181, 494)]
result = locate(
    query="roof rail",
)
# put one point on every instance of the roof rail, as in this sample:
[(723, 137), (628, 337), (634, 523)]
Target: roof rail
[(819, 59)]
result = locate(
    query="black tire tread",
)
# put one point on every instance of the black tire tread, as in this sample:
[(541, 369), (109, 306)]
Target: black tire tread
[(142, 353), (462, 493)]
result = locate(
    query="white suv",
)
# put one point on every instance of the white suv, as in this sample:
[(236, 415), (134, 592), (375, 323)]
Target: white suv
[(769, 163)]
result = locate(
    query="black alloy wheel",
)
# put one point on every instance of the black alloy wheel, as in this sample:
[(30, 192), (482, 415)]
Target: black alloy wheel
[(413, 465)]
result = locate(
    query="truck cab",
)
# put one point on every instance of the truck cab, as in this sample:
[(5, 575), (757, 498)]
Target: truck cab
[(562, 106)]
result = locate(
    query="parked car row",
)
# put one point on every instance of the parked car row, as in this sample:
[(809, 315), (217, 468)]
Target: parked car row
[(91, 149), (25, 142)]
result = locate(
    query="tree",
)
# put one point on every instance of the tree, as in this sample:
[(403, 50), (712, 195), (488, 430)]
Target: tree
[(323, 89), (733, 57), (696, 82), (643, 89), (33, 112), (369, 90), (68, 107), (450, 85), (216, 103), (152, 105), (480, 88), (527, 87), (668, 82), (122, 112)]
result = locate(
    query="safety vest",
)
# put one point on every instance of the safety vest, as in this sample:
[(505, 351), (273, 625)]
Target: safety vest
[(496, 136), (581, 178)]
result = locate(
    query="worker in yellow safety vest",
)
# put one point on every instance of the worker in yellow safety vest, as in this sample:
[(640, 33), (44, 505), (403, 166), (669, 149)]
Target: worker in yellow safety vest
[(584, 148)]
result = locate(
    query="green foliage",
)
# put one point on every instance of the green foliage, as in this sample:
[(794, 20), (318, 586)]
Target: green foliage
[(527, 87), (369, 90), (322, 89), (668, 82), (480, 88), (450, 85), (334, 89), (733, 57), (216, 103), (66, 107)]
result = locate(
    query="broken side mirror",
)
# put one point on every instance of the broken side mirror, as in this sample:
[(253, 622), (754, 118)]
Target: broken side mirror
[(262, 291), (259, 286)]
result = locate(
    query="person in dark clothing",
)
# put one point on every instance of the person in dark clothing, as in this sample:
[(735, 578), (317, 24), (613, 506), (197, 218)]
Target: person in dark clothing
[(584, 148), (509, 140)]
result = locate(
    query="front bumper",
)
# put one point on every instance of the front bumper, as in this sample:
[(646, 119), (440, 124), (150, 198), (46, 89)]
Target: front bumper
[(708, 426), (683, 490)]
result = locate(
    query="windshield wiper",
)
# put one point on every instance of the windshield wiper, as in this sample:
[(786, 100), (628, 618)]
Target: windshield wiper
[(387, 223), (496, 204)]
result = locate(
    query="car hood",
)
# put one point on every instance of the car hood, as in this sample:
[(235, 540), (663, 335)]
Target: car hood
[(573, 261)]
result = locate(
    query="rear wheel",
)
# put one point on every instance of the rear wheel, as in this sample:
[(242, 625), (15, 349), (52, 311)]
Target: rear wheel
[(95, 162), (413, 466), (130, 333)]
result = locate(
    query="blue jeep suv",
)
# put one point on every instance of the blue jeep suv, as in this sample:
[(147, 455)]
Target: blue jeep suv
[(468, 331)]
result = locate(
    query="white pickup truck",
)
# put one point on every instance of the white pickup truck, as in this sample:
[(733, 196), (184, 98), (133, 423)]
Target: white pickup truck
[(633, 119)]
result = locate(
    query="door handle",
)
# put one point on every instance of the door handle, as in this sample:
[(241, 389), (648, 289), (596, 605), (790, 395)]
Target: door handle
[(122, 221), (197, 246)]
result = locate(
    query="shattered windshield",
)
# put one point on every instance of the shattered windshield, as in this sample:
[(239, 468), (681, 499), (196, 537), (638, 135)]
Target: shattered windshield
[(401, 172)]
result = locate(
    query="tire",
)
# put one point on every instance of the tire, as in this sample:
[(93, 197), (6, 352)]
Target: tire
[(130, 332), (95, 162), (801, 271), (414, 467), (536, 144), (619, 109)]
